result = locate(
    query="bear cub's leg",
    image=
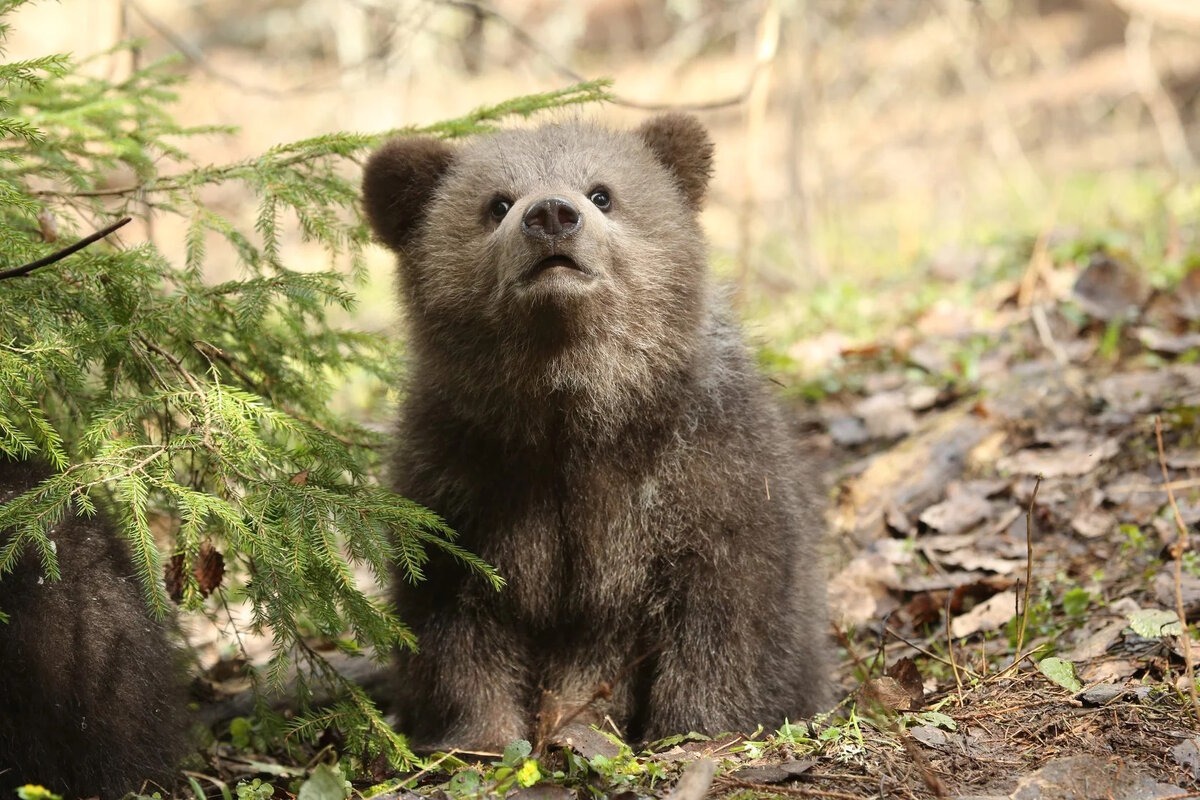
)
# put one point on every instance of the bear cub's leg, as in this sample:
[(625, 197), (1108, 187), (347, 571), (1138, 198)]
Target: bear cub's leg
[(467, 687)]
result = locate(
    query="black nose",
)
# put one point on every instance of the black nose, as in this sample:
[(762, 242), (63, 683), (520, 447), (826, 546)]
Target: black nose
[(552, 218)]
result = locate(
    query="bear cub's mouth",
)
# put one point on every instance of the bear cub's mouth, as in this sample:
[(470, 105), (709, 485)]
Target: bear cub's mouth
[(557, 265)]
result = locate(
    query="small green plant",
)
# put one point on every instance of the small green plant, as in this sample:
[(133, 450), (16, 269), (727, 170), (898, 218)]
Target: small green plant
[(32, 791), (516, 768), (1134, 539), (254, 790), (1076, 601)]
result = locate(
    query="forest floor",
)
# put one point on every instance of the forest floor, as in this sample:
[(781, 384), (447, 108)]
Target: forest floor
[(1007, 572)]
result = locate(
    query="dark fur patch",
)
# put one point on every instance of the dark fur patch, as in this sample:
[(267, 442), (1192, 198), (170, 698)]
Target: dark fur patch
[(680, 142), (398, 181), (91, 699)]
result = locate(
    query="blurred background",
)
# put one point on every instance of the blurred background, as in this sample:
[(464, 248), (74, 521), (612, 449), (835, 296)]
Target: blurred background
[(865, 147)]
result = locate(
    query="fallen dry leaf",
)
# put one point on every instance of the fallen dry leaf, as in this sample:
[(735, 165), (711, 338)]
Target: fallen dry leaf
[(957, 513), (970, 560), (1094, 524), (1187, 295), (992, 614), (1071, 460), (1086, 777), (1169, 343), (888, 693), (886, 415), (1110, 289), (908, 677), (1144, 391)]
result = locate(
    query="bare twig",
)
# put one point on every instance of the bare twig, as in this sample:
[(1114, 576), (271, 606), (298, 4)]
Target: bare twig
[(950, 651), (531, 42), (1177, 551), (758, 93), (175, 362), (1162, 110), (929, 654), (998, 127), (1028, 568), (197, 58), (25, 269)]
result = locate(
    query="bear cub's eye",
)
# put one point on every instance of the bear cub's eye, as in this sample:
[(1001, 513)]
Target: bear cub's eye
[(499, 207), (600, 198)]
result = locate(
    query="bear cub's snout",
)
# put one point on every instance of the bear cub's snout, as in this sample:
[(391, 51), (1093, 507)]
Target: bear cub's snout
[(551, 220)]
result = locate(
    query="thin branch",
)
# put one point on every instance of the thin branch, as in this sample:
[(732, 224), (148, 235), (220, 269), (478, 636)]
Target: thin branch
[(950, 650), (1028, 567), (25, 269), (1145, 78), (1177, 551), (529, 41), (930, 654)]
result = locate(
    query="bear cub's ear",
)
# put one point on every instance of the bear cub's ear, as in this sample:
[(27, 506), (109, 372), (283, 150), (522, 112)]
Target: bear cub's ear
[(398, 183), (682, 145)]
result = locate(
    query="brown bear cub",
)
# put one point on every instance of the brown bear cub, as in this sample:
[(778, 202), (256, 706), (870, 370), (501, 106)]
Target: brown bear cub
[(91, 700), (582, 410)]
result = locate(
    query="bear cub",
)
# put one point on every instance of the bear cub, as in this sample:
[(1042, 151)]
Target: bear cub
[(582, 410), (91, 694)]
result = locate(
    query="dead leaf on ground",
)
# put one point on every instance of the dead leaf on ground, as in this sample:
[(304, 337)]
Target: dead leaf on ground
[(861, 591), (1110, 289), (1088, 778), (906, 674), (1135, 497), (585, 741), (1187, 295), (694, 783), (1164, 590), (931, 737), (1100, 694), (910, 476), (1169, 343), (992, 614), (1072, 460), (1187, 459), (971, 560), (1112, 670), (1187, 755), (886, 415), (1094, 524), (1096, 643), (957, 513), (1144, 391), (887, 692), (848, 430)]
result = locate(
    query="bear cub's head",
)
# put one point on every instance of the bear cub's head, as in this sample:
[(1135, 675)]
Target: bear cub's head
[(540, 242)]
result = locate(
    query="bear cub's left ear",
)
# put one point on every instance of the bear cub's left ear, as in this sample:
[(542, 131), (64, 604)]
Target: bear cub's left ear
[(398, 183), (681, 144)]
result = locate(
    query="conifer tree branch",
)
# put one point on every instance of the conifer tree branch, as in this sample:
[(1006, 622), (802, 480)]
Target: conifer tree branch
[(25, 269)]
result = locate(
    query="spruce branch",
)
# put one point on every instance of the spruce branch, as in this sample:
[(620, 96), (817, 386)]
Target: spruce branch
[(25, 269)]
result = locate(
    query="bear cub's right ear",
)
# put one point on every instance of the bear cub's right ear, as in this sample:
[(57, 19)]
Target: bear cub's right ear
[(398, 183)]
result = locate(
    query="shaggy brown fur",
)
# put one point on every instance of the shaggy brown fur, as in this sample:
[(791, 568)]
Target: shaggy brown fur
[(583, 412), (90, 696)]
